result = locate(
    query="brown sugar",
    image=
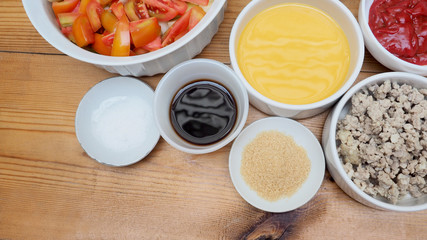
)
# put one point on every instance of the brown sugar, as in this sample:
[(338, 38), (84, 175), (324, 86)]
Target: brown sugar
[(274, 165)]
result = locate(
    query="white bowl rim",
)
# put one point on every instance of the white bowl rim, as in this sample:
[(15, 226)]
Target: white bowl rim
[(332, 132), (363, 16), (99, 59), (333, 97), (229, 138), (315, 187)]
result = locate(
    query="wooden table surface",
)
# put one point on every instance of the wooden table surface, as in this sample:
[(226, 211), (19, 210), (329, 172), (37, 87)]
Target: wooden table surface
[(51, 189)]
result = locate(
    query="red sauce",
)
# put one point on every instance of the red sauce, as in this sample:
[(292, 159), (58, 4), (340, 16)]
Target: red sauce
[(401, 27)]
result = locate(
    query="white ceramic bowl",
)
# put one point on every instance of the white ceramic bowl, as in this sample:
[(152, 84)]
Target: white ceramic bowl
[(349, 25), (378, 51), (41, 16), (180, 76), (302, 137), (333, 161), (115, 123)]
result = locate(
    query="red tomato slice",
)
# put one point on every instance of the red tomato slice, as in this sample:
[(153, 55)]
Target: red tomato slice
[(121, 43), (160, 10), (77, 8), (178, 5), (67, 31), (198, 2), (83, 6), (64, 6), (118, 9), (93, 11), (142, 10), (197, 13), (154, 45), (130, 11), (108, 38), (109, 21), (82, 31), (104, 2), (181, 34), (67, 19), (99, 46), (144, 31), (138, 51), (176, 29)]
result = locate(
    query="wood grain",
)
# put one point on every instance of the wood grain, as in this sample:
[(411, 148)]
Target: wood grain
[(51, 189)]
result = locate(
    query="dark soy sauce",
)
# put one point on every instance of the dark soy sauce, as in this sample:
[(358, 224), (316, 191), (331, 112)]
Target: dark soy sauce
[(203, 112)]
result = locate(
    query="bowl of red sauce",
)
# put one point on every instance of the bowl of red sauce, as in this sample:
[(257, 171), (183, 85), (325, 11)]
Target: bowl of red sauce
[(395, 33)]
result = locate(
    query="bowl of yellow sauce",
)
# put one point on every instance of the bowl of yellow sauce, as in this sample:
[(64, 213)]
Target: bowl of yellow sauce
[(296, 58)]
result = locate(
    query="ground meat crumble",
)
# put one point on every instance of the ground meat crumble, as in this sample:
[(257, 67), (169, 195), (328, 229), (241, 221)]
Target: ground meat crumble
[(383, 141)]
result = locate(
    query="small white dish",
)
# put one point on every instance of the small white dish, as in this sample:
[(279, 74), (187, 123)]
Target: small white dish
[(115, 123), (302, 137)]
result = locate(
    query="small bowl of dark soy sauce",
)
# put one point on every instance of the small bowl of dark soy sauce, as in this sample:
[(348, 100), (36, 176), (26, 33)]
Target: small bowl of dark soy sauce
[(200, 106)]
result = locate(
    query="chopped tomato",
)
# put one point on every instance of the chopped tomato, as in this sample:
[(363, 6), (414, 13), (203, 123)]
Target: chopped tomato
[(108, 21), (100, 47), (144, 31), (82, 31), (176, 29), (198, 2), (130, 11), (93, 11), (197, 13), (139, 51), (121, 43), (179, 6), (108, 38), (126, 27), (105, 2), (83, 6), (67, 19), (77, 8), (142, 9), (118, 9), (160, 10), (181, 34), (154, 45), (67, 31), (64, 6)]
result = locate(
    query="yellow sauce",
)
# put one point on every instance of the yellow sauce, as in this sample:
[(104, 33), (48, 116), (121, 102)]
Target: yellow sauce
[(294, 53)]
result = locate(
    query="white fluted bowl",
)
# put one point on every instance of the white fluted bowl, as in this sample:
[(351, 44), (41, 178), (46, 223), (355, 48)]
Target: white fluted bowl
[(41, 16)]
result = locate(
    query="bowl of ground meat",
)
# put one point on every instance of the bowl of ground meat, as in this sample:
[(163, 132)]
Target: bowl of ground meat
[(375, 142)]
